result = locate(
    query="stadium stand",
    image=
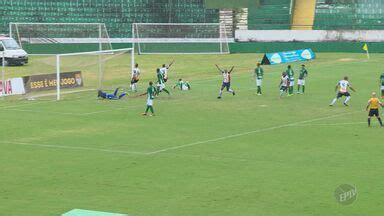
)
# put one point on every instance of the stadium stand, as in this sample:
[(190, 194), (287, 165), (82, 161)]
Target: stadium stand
[(117, 15), (352, 14), (271, 14)]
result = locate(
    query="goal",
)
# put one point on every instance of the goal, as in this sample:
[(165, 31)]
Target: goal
[(76, 75), (55, 38), (100, 70), (180, 38)]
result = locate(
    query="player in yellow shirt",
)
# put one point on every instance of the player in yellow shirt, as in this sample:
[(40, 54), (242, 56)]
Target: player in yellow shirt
[(373, 107)]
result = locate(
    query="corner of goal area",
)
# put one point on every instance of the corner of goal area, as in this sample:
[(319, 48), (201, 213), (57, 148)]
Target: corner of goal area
[(82, 212)]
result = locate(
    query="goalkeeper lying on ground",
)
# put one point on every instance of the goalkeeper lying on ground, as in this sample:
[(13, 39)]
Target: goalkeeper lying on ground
[(104, 95)]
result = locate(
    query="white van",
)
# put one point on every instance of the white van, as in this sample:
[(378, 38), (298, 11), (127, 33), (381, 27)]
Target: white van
[(12, 52)]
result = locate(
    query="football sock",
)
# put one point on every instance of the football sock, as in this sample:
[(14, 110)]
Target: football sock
[(382, 93), (166, 91), (298, 88), (258, 89), (151, 108), (146, 110), (369, 121), (230, 90), (303, 88), (381, 123), (334, 101), (220, 93), (347, 99)]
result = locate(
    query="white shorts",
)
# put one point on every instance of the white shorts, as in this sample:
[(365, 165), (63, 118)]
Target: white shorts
[(291, 83), (301, 82), (382, 88), (149, 102), (161, 86), (259, 82), (185, 88)]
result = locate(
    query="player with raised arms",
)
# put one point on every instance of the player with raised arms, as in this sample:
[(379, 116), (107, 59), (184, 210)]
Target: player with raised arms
[(226, 81), (164, 70), (284, 83), (301, 82), (135, 77), (259, 73), (373, 107), (342, 89), (382, 85)]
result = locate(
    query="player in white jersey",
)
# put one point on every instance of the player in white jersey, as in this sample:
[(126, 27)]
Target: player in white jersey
[(164, 70), (226, 81), (135, 78), (284, 83), (342, 88)]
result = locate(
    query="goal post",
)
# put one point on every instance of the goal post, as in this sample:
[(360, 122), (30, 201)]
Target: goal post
[(99, 70), (55, 38), (180, 38)]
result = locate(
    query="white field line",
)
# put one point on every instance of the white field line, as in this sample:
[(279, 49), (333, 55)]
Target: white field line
[(25, 104), (176, 147), (247, 133), (73, 148), (332, 124)]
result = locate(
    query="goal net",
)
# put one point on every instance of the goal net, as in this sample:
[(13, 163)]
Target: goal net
[(54, 38), (180, 38), (73, 75)]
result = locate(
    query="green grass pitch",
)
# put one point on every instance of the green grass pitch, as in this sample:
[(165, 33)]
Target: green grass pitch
[(243, 155)]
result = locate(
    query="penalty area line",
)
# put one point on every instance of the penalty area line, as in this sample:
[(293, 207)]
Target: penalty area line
[(247, 133)]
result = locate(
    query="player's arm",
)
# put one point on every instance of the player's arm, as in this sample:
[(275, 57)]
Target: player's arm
[(337, 87), (352, 88), (230, 71), (217, 66), (170, 64), (368, 105)]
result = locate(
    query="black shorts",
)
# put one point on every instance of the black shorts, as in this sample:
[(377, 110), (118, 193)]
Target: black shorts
[(283, 88), (373, 112), (341, 94), (226, 85), (133, 81)]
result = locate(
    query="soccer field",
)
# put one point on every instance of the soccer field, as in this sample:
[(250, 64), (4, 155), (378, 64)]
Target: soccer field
[(242, 155)]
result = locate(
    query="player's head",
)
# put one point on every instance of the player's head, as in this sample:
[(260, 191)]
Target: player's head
[(180, 79), (303, 66), (283, 74), (373, 94), (345, 78), (164, 65), (158, 70), (289, 66), (136, 65), (258, 64), (150, 83), (99, 93)]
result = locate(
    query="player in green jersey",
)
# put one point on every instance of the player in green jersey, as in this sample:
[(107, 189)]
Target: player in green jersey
[(161, 82), (291, 77), (151, 91), (301, 82), (382, 85), (183, 86), (259, 73)]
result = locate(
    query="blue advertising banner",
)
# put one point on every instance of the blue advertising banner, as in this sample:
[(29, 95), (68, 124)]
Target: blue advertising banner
[(288, 56)]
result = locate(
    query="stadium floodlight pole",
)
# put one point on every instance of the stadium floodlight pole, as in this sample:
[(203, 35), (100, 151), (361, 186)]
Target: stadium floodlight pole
[(58, 77)]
